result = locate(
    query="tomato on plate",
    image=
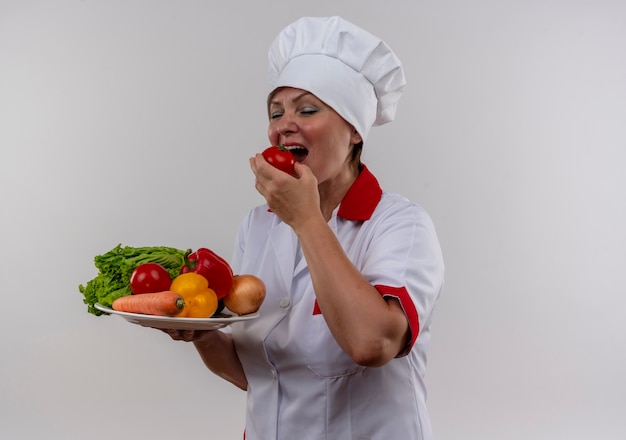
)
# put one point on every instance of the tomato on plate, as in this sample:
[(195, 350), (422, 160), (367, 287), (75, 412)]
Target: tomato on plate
[(150, 278), (281, 158)]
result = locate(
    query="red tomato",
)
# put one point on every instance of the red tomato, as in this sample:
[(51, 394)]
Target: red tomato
[(281, 158), (150, 278)]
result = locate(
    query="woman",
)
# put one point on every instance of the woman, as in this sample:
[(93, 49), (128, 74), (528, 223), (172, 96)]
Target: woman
[(352, 272)]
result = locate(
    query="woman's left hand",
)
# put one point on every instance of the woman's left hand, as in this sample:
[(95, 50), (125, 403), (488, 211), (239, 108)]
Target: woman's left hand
[(293, 199)]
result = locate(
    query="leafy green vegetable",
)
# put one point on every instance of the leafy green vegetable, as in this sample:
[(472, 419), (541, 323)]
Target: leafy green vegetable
[(116, 266)]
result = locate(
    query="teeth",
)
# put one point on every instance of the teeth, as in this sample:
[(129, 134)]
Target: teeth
[(300, 153)]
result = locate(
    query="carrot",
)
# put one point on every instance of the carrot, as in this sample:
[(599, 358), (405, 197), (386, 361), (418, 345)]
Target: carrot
[(167, 303)]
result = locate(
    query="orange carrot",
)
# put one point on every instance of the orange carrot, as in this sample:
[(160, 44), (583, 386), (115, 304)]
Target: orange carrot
[(165, 303)]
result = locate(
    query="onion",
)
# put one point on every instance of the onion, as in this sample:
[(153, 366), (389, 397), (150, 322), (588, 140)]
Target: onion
[(246, 295)]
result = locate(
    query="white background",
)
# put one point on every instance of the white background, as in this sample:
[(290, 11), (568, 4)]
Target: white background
[(132, 121)]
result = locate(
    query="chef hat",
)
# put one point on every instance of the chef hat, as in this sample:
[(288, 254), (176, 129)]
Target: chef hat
[(348, 68)]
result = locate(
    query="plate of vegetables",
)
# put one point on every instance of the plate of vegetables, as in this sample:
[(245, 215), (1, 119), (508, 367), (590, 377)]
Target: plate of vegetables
[(179, 323), (168, 288)]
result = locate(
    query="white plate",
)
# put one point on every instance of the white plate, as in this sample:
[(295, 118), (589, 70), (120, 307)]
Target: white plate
[(166, 322)]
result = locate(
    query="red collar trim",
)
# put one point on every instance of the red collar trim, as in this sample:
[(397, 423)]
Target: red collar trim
[(362, 197)]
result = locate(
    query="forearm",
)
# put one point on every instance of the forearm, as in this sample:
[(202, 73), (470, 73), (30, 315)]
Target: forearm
[(368, 328), (218, 353)]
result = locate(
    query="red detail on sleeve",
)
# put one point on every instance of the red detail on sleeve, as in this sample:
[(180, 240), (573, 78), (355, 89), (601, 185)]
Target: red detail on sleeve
[(401, 294)]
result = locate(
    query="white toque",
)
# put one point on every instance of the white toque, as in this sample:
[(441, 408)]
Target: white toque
[(348, 68)]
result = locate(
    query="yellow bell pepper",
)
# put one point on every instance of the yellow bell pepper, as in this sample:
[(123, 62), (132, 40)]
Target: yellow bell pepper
[(200, 300)]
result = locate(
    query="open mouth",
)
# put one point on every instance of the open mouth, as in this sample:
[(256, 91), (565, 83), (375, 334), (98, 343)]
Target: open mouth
[(300, 153)]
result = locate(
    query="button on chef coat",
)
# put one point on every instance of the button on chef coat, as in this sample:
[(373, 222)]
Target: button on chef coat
[(301, 385)]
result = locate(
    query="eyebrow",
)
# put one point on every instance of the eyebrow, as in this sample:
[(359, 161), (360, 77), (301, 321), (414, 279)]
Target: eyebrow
[(296, 98)]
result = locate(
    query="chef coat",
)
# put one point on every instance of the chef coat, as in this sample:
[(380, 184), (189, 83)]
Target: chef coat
[(301, 385)]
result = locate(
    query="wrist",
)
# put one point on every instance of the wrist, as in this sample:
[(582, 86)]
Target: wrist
[(310, 225), (207, 339)]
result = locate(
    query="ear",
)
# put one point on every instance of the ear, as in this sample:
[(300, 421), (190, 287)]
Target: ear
[(355, 138)]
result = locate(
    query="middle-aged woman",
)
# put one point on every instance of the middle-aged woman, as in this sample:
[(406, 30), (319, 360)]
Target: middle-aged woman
[(352, 272)]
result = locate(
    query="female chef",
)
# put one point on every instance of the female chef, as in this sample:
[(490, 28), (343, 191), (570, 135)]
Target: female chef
[(352, 272)]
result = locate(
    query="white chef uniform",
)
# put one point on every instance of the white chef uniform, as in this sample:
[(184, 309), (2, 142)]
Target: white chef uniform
[(301, 385)]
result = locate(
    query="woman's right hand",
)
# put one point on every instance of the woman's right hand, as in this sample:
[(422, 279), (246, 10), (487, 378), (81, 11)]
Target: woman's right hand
[(189, 335)]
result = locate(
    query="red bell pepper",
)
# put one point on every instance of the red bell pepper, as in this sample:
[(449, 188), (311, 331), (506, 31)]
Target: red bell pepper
[(211, 266)]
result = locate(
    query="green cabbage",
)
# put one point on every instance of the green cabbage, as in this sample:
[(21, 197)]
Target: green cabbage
[(116, 266)]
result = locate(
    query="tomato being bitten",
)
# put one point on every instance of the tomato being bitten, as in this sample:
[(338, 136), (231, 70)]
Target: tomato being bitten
[(281, 158)]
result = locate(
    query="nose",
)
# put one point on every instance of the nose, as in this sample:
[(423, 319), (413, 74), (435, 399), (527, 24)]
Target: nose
[(282, 128)]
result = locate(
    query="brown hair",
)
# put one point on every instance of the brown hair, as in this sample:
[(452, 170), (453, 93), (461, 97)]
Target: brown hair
[(355, 156)]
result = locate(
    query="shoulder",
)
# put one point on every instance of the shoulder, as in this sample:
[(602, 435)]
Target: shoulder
[(399, 219), (396, 206)]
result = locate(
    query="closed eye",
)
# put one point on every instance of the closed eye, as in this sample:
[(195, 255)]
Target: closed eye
[(308, 111)]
